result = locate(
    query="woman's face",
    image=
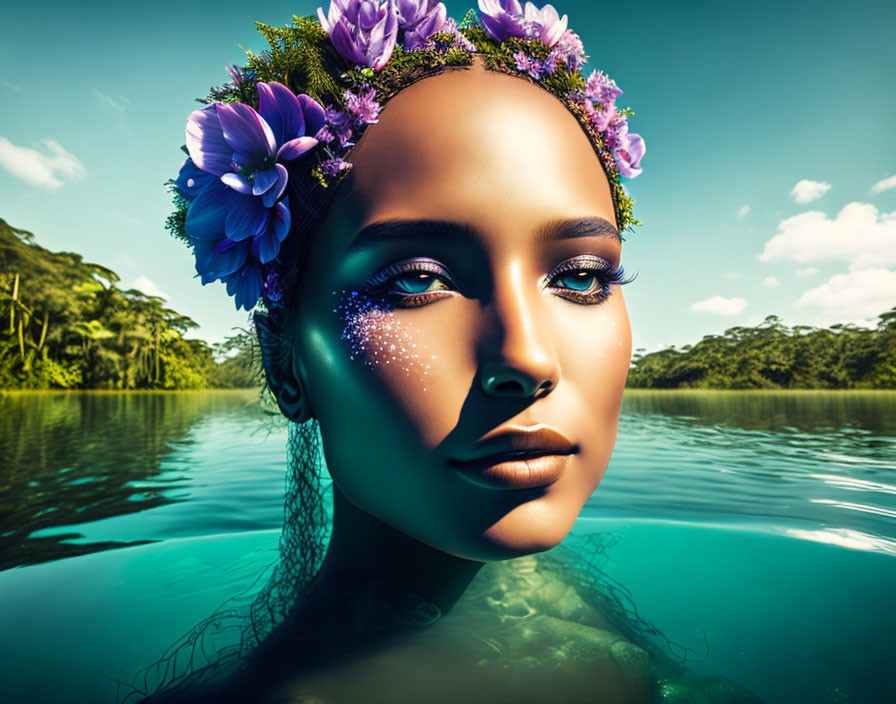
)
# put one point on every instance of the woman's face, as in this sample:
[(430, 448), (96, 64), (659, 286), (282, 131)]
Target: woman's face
[(459, 303)]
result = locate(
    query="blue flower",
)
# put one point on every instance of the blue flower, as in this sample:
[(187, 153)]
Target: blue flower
[(235, 179)]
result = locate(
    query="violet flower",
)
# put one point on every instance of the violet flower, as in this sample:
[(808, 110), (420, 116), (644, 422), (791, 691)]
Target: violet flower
[(544, 24), (570, 51), (235, 180), (361, 108), (507, 18), (628, 151), (238, 74), (536, 68), (602, 118), (600, 88), (527, 64), (273, 290), (419, 20), (334, 167), (459, 40), (364, 32)]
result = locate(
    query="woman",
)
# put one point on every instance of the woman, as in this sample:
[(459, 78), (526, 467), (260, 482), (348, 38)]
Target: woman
[(442, 316)]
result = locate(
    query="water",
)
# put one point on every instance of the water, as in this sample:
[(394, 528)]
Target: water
[(757, 531)]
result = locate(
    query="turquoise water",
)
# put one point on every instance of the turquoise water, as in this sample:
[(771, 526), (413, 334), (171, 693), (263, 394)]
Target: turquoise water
[(756, 531)]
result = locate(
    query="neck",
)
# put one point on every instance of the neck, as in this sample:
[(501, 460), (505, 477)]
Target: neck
[(364, 549)]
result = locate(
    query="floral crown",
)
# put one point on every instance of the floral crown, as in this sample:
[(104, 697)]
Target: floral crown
[(306, 101)]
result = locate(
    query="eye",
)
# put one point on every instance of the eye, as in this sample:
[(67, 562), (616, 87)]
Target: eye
[(577, 281), (412, 282), (586, 279), (419, 282)]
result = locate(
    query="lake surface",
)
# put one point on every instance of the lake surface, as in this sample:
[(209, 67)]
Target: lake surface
[(755, 530)]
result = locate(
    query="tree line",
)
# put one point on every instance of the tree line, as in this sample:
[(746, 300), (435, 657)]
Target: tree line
[(774, 356), (65, 324)]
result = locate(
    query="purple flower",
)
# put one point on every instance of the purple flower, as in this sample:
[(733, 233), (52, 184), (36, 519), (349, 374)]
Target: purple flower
[(626, 147), (334, 167), (363, 31), (502, 18), (544, 24), (536, 68), (235, 180), (602, 118), (363, 106), (460, 41), (628, 151), (507, 18), (338, 126), (527, 64), (272, 288), (570, 50), (237, 74), (600, 88), (419, 20)]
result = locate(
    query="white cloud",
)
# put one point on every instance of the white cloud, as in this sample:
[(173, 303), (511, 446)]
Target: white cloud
[(885, 184), (143, 283), (14, 87), (807, 271), (770, 282), (48, 165), (731, 275), (860, 235), (720, 305), (107, 101), (856, 297), (743, 211), (806, 191)]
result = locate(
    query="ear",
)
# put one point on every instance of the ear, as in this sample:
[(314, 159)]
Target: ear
[(280, 368)]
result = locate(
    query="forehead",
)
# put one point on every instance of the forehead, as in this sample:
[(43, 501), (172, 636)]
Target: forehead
[(476, 146)]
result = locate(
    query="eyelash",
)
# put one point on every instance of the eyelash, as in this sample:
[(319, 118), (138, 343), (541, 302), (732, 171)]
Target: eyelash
[(605, 275)]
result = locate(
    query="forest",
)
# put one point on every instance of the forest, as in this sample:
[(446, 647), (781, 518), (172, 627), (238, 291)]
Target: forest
[(774, 356), (65, 324)]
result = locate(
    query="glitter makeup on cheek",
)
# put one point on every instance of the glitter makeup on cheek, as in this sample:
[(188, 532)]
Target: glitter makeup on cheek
[(375, 334)]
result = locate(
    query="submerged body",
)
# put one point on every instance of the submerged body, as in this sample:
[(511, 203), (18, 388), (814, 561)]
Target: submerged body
[(526, 631)]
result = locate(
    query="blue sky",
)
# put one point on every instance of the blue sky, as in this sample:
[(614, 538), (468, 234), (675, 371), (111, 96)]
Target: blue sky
[(769, 183)]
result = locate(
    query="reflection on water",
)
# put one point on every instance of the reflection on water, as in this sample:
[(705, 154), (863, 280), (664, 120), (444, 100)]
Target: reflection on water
[(83, 472), (866, 412), (814, 464), (70, 459)]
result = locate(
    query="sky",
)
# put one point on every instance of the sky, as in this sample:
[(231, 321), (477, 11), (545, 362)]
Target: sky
[(769, 183)]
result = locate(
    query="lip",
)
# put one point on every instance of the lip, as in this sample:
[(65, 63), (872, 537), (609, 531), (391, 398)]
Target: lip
[(517, 458)]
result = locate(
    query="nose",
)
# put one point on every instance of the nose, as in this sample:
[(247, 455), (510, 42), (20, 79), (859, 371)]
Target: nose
[(518, 358)]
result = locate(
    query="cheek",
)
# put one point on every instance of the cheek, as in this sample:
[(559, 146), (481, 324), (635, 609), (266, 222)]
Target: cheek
[(595, 366), (602, 348), (416, 360), (377, 336)]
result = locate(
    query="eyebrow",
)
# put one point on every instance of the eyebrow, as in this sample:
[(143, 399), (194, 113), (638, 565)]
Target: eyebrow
[(385, 231)]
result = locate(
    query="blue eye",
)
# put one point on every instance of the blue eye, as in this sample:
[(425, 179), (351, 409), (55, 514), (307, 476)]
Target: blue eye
[(586, 279), (412, 282), (576, 281), (418, 282)]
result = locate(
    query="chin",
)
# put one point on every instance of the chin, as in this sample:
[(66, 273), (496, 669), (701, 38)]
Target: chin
[(530, 528)]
